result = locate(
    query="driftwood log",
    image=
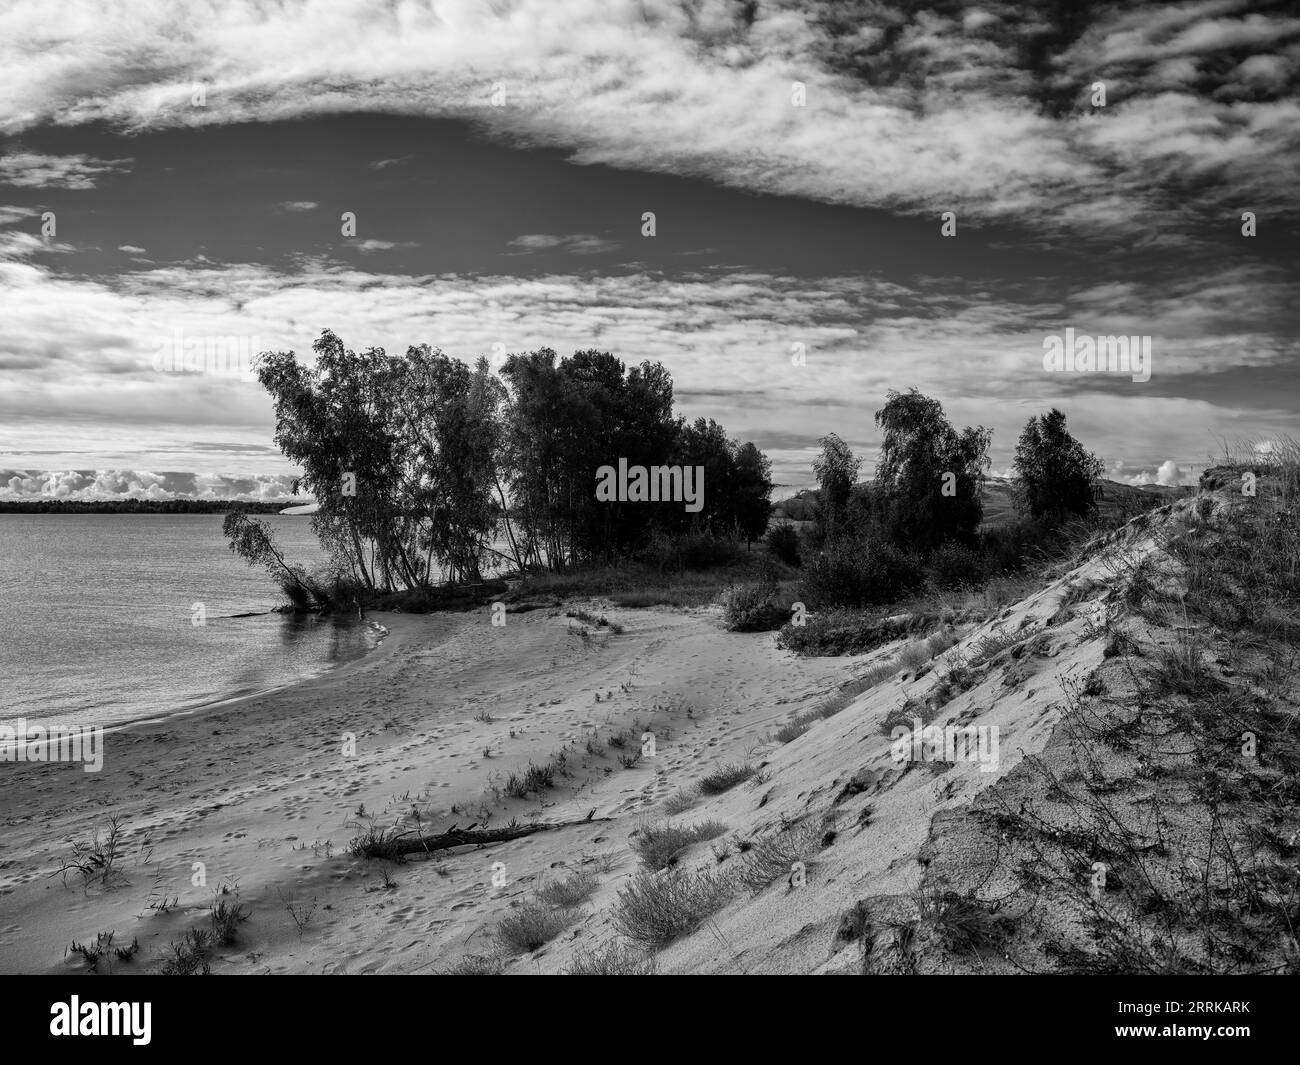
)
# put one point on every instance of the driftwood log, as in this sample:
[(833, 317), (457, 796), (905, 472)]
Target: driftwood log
[(404, 843)]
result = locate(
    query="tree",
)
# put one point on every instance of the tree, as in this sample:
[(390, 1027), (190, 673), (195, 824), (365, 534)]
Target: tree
[(753, 490), (928, 476), (836, 469), (1054, 474), (253, 541)]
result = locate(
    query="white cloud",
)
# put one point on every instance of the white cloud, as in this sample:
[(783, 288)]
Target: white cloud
[(950, 119), (32, 170), (299, 205), (574, 244)]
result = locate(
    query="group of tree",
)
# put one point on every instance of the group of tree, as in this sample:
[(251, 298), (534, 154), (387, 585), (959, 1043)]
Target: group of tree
[(920, 516), (428, 470)]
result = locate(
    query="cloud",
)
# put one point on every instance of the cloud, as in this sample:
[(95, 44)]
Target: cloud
[(32, 170), (1169, 473), (141, 484), (574, 244), (384, 164), (298, 205), (131, 249), (984, 113), (160, 355), (369, 246), (10, 215)]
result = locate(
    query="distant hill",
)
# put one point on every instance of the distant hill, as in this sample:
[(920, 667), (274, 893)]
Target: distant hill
[(999, 507)]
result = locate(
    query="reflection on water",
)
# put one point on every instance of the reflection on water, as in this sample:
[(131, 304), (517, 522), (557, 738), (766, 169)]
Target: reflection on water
[(97, 611)]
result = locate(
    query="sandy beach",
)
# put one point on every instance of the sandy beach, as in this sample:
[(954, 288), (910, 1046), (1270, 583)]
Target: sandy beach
[(259, 791)]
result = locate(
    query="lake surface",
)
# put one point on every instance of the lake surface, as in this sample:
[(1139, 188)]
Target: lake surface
[(97, 610)]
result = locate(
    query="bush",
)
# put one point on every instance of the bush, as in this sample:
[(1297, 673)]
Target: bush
[(616, 959), (752, 608), (847, 632), (1007, 548), (783, 542), (657, 845), (953, 566), (656, 908), (856, 573), (573, 890), (531, 927), (726, 777)]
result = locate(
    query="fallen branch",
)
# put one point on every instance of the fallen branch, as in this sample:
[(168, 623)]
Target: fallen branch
[(384, 845)]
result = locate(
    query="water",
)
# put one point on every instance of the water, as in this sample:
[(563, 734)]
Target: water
[(96, 617)]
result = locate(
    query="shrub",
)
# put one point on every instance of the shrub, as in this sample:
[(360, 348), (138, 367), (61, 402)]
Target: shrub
[(531, 927), (656, 908), (477, 965), (854, 573), (573, 890), (953, 566), (783, 542), (725, 778), (775, 855), (752, 608), (534, 778), (189, 957), (656, 845), (615, 959), (227, 915)]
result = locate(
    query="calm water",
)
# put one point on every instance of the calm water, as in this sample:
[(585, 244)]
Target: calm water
[(96, 617)]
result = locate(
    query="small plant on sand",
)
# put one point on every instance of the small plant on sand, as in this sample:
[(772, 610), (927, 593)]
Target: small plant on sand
[(103, 950), (962, 923), (227, 914), (531, 927), (190, 957), (657, 845), (477, 965), (680, 801), (773, 857), (656, 908), (95, 858), (534, 778), (726, 777), (484, 717), (300, 913), (614, 959), (573, 890)]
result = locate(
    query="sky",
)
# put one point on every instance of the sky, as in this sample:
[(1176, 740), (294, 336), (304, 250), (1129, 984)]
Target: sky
[(848, 197)]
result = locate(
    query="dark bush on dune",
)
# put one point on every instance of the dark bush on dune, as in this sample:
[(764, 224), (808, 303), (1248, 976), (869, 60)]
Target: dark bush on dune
[(860, 573), (955, 566), (1009, 547), (783, 542)]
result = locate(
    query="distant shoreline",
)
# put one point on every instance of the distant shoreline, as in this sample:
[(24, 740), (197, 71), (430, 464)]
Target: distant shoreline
[(143, 506)]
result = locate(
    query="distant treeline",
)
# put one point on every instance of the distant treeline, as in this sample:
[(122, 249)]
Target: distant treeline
[(141, 506)]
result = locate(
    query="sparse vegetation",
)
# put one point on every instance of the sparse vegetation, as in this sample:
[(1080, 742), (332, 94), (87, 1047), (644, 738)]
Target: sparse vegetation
[(613, 959), (189, 957), (657, 845), (726, 777), (573, 890), (531, 926), (656, 908)]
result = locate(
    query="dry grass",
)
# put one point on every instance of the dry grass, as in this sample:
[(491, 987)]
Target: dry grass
[(657, 845), (614, 959), (573, 890), (531, 926), (656, 908), (726, 777)]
